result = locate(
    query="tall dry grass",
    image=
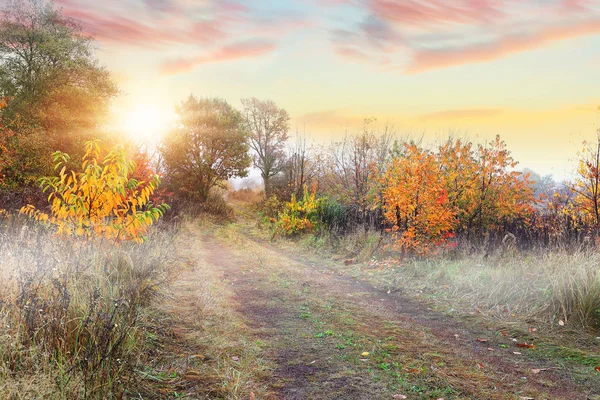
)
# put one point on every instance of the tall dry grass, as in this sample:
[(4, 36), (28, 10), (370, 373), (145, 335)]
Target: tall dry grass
[(550, 285), (71, 311)]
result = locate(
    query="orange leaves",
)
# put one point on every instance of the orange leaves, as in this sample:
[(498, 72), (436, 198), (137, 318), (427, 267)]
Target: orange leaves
[(101, 200), (427, 196), (415, 200)]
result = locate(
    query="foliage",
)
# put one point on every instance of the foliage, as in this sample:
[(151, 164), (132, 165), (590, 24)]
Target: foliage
[(208, 147), (299, 216), (56, 93), (269, 126), (416, 201), (483, 188), (100, 200), (333, 215), (586, 185)]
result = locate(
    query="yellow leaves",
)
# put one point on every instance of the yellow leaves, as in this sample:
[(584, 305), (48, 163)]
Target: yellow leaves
[(99, 200)]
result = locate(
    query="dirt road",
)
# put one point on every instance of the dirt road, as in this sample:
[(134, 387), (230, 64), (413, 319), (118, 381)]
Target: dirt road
[(292, 326)]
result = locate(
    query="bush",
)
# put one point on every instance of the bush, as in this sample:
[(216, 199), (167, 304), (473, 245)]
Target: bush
[(299, 216), (333, 215)]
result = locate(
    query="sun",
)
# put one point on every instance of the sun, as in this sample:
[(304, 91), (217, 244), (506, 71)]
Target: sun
[(146, 123)]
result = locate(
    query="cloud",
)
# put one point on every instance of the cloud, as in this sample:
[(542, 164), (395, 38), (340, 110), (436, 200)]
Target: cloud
[(153, 23), (426, 60), (235, 51), (421, 35), (429, 12)]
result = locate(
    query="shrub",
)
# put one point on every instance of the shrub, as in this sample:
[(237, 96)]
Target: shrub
[(333, 215), (101, 200), (299, 216)]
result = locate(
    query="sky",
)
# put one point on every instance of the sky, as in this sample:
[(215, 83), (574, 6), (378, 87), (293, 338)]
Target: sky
[(527, 70)]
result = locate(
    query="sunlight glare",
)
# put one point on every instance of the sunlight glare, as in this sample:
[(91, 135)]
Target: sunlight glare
[(146, 123)]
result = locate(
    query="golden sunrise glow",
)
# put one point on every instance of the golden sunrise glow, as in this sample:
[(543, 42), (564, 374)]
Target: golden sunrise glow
[(145, 123)]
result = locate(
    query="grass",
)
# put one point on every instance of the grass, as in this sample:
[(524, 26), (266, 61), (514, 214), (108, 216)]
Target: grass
[(72, 311), (557, 289)]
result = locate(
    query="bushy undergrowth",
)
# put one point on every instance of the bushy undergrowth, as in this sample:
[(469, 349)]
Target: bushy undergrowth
[(70, 311)]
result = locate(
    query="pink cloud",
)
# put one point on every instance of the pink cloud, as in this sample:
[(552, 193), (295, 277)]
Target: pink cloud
[(435, 11), (231, 52), (434, 34), (434, 59)]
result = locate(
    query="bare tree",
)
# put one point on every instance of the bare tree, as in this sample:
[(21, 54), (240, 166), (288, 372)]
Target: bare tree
[(300, 168), (269, 126), (357, 162)]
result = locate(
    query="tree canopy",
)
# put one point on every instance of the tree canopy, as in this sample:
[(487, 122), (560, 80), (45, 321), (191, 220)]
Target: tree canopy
[(208, 146)]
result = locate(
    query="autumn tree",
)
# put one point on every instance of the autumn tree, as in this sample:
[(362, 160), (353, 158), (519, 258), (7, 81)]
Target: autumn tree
[(586, 184), (208, 146), (415, 201), (268, 126), (57, 93), (484, 189)]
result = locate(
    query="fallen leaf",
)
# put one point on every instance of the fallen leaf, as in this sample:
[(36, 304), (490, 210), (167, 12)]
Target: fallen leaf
[(399, 396), (504, 333), (597, 368), (482, 340), (480, 365), (252, 397), (561, 322), (412, 370), (490, 349), (365, 354)]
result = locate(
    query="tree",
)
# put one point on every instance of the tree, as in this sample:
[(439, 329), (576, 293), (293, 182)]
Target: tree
[(586, 185), (415, 201), (208, 146), (57, 93), (268, 125), (483, 188), (356, 164)]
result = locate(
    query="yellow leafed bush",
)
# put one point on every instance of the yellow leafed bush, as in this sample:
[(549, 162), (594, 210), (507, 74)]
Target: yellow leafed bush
[(101, 200)]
